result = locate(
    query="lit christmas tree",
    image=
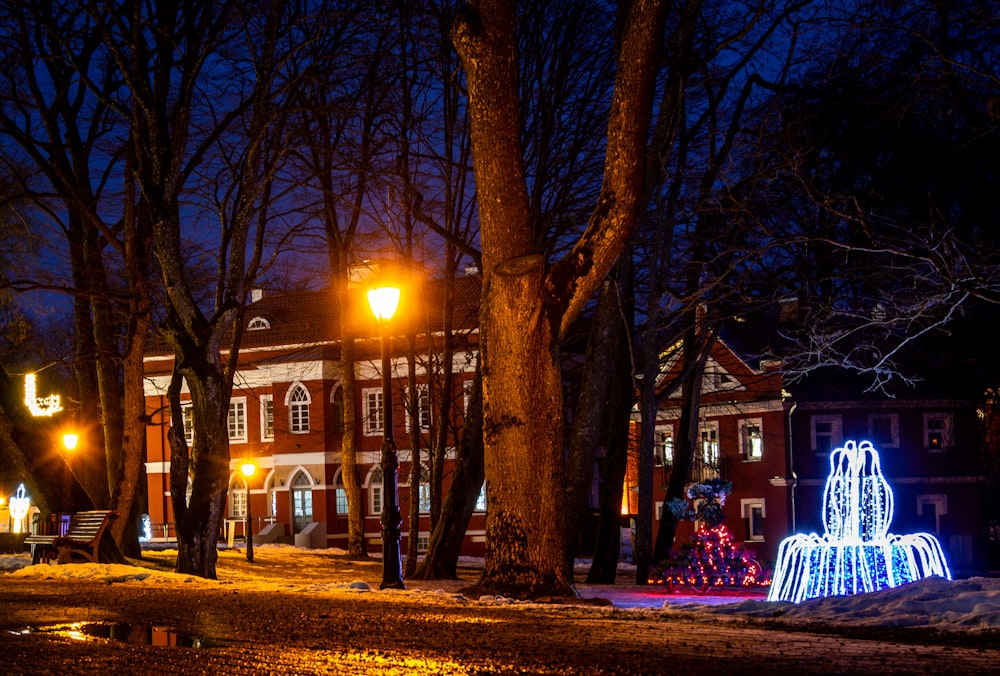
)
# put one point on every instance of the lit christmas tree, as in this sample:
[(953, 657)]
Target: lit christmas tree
[(711, 558)]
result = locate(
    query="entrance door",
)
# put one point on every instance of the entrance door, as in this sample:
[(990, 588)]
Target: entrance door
[(302, 502)]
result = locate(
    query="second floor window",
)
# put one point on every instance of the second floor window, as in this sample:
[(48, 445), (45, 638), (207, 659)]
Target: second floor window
[(298, 409), (826, 433), (710, 444), (664, 456), (373, 411), (187, 413), (238, 419), (751, 440), (422, 409), (266, 417), (937, 431)]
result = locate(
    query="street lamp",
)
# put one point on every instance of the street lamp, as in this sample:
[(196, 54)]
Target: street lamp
[(383, 301), (248, 468), (70, 441)]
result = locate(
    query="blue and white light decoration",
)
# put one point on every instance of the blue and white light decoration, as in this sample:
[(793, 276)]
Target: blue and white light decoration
[(856, 554)]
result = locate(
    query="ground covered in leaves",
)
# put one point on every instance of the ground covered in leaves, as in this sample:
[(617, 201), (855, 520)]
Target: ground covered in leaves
[(321, 613)]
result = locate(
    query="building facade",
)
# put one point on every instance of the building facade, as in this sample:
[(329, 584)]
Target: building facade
[(287, 416)]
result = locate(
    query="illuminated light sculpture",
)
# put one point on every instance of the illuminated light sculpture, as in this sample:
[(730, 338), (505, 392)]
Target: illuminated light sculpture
[(856, 554), (39, 406), (19, 506)]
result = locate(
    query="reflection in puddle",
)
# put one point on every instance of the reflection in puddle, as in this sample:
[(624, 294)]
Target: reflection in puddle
[(135, 634)]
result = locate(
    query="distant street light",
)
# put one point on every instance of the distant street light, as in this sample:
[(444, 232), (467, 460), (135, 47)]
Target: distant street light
[(248, 468), (383, 301)]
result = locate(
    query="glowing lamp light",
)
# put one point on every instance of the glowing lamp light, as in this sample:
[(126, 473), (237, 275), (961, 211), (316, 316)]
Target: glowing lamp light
[(248, 468), (39, 406), (70, 440), (383, 301), (19, 506), (856, 554)]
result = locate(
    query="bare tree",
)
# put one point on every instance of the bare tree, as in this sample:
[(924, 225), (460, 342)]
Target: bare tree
[(527, 303)]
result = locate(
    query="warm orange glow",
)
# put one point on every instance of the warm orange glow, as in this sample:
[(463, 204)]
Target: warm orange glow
[(383, 301), (70, 440), (248, 468)]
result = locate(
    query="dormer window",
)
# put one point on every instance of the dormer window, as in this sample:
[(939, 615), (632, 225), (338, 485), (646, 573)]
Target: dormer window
[(258, 324)]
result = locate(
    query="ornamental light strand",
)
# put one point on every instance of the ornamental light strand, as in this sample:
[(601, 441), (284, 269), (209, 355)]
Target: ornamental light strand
[(856, 554)]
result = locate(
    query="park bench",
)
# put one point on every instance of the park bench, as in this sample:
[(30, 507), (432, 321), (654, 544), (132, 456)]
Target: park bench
[(82, 538)]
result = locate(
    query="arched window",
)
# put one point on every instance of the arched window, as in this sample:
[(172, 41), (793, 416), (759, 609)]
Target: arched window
[(258, 324), (298, 401), (341, 499), (301, 494), (375, 491), (238, 498)]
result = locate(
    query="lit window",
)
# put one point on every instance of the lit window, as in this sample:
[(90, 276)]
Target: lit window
[(827, 433), (266, 417), (883, 430), (187, 413), (238, 419), (298, 401), (481, 500), (937, 431), (664, 454), (342, 500), (751, 439), (372, 399), (710, 444), (753, 518)]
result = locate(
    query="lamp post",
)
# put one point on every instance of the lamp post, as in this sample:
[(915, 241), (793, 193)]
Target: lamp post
[(383, 301), (70, 441), (248, 468)]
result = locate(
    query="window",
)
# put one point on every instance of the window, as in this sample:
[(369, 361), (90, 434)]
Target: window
[(372, 399), (424, 491), (238, 419), (663, 456), (709, 433), (238, 499), (937, 432), (481, 500), (298, 401), (827, 431), (931, 508), (338, 410), (423, 542), (257, 324), (341, 498), (187, 413), (753, 517), (751, 440), (375, 491), (422, 407), (466, 395), (883, 430), (266, 417)]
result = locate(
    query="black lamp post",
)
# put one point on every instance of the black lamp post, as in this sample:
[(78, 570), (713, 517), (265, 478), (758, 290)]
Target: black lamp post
[(383, 301), (248, 468)]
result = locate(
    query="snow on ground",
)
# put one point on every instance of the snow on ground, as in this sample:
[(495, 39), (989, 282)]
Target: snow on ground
[(967, 605)]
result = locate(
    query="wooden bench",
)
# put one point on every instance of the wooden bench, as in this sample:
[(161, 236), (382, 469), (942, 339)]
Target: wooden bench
[(82, 538)]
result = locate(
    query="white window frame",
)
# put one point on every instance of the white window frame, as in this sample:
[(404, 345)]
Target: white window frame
[(267, 417), (940, 502), (239, 493), (237, 420), (836, 432), (708, 443), (751, 447), (424, 491), (423, 409), (376, 484), (258, 324), (373, 411), (187, 415), (893, 419), (945, 432), (747, 506), (663, 455), (298, 409)]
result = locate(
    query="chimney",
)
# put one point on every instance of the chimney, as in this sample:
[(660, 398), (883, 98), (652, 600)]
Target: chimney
[(256, 295)]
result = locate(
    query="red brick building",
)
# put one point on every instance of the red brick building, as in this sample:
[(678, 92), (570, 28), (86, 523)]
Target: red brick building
[(286, 415)]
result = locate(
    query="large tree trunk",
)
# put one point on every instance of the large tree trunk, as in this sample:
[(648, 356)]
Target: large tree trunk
[(526, 305), (441, 559)]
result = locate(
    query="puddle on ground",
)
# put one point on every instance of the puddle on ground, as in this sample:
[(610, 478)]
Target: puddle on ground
[(134, 634)]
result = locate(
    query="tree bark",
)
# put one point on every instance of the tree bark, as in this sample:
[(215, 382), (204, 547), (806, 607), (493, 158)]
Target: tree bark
[(527, 305)]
